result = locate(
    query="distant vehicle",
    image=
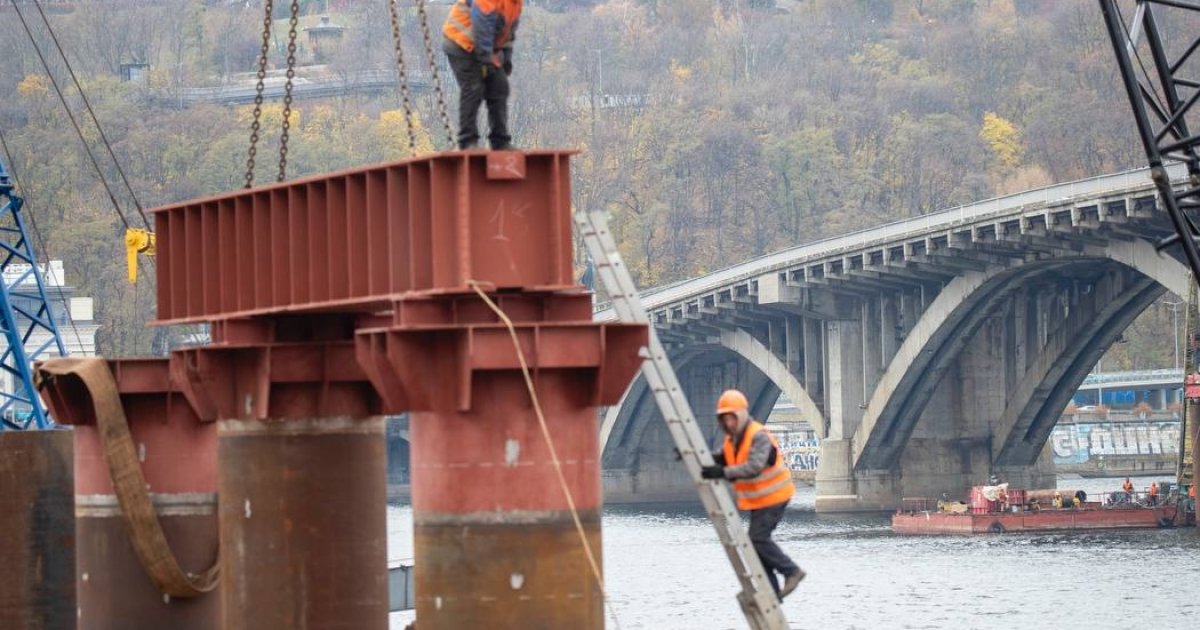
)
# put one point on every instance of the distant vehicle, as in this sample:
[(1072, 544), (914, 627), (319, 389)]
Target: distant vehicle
[(1086, 408)]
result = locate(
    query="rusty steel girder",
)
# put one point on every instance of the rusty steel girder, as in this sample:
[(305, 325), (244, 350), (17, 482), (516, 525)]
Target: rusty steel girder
[(336, 298), (435, 346), (352, 240)]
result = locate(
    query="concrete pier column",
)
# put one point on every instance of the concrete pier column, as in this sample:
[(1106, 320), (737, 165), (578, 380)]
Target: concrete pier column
[(837, 483), (845, 377)]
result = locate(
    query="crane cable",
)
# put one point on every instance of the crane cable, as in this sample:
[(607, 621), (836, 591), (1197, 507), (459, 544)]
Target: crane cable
[(71, 115), (79, 132), (402, 75), (95, 121), (1147, 86), (436, 79), (256, 124)]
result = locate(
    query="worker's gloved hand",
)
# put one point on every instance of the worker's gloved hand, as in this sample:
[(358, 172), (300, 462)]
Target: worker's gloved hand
[(506, 61), (507, 68), (713, 472)]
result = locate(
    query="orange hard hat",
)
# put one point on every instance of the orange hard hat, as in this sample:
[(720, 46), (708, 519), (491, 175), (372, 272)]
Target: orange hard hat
[(732, 401)]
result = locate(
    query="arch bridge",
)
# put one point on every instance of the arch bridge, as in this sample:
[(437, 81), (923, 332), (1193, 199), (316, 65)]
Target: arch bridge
[(927, 354)]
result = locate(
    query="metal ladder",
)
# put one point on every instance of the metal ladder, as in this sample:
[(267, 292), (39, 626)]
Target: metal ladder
[(757, 598)]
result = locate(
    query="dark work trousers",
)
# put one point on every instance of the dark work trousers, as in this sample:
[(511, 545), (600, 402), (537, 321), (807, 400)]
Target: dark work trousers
[(762, 523), (474, 89)]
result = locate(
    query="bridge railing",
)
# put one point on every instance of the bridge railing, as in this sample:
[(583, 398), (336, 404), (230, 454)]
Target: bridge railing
[(302, 87)]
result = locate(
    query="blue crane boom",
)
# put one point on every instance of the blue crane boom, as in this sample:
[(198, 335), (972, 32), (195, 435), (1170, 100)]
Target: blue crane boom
[(26, 317)]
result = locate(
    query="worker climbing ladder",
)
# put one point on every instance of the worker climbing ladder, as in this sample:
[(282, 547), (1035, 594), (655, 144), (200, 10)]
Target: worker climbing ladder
[(757, 598)]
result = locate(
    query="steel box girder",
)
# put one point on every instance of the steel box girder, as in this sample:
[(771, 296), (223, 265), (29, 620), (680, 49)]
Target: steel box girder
[(356, 240)]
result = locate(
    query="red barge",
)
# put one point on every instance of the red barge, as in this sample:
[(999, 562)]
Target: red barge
[(997, 510)]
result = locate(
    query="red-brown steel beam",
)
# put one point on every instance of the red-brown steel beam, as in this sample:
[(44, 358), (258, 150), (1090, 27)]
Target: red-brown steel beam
[(351, 241)]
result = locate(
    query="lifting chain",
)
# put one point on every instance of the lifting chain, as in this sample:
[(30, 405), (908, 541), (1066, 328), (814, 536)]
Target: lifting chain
[(404, 95), (433, 70), (287, 90), (268, 8)]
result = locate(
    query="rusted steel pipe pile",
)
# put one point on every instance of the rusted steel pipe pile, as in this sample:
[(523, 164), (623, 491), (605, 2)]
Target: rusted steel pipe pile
[(334, 300), (37, 536)]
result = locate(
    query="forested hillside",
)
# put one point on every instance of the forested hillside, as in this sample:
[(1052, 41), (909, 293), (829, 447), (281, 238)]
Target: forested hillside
[(714, 130)]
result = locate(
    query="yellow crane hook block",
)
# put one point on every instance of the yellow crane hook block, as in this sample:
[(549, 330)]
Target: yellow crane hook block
[(137, 241)]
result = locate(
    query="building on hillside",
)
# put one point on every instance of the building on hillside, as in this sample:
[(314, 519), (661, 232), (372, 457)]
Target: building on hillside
[(75, 316), (324, 38)]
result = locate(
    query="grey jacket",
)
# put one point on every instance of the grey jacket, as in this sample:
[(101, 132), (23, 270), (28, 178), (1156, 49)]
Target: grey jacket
[(760, 453)]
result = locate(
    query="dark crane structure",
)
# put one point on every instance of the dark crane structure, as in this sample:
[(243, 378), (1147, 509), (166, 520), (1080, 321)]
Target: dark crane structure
[(25, 315), (1163, 87)]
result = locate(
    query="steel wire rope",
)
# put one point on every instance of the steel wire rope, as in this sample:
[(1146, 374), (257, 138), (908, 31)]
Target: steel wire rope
[(286, 125), (41, 242), (75, 125), (435, 77), (402, 76), (71, 115), (256, 124), (1138, 55), (95, 120), (549, 440)]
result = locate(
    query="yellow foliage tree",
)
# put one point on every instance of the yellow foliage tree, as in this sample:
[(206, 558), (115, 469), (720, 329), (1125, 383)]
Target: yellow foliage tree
[(392, 131), (1003, 138), (33, 85)]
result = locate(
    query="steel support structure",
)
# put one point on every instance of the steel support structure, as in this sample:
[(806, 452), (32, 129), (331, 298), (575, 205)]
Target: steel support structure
[(1163, 98), (25, 315), (337, 299)]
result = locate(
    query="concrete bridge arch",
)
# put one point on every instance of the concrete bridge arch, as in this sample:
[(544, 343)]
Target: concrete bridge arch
[(994, 315), (1014, 298)]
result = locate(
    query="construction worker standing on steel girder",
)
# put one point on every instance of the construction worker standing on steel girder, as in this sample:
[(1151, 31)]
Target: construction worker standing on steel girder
[(762, 481), (479, 45)]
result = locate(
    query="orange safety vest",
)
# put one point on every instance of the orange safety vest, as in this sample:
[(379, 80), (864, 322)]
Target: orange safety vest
[(1192, 491), (1153, 490), (770, 487), (458, 27)]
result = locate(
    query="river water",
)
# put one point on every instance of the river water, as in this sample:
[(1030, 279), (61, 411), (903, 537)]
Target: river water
[(666, 570)]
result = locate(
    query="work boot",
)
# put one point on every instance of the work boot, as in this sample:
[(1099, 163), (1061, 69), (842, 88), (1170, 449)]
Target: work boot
[(791, 582), (504, 146)]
